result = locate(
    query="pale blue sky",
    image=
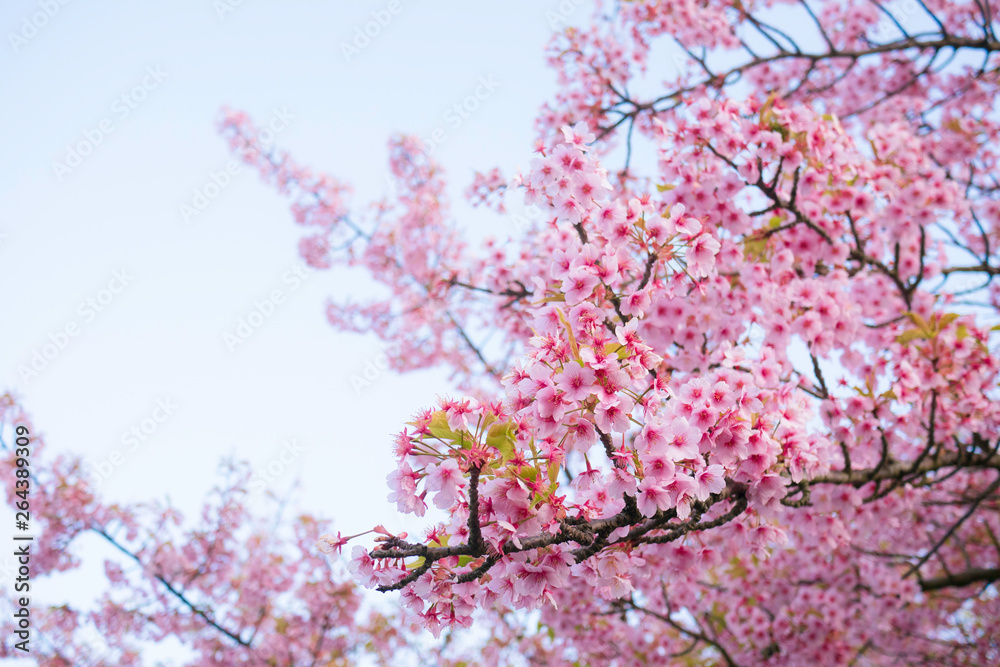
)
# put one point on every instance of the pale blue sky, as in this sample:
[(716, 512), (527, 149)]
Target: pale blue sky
[(159, 334)]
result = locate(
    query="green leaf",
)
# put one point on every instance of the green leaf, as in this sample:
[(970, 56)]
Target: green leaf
[(911, 335), (737, 569), (569, 333), (919, 321), (755, 248), (503, 436), (439, 427), (616, 348), (947, 319)]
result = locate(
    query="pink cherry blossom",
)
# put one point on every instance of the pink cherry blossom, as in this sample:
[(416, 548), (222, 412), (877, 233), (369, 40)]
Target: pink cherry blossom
[(576, 382)]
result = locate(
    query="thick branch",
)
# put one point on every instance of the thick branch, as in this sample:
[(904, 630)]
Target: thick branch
[(973, 576)]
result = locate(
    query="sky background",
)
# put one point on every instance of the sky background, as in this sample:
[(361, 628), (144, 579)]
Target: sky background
[(64, 235)]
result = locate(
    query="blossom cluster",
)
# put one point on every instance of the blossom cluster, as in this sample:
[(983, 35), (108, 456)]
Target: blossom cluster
[(737, 407)]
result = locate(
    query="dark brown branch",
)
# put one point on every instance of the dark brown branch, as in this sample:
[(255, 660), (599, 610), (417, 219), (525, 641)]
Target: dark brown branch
[(475, 535), (181, 597), (990, 490), (898, 468), (982, 268), (973, 576), (694, 634)]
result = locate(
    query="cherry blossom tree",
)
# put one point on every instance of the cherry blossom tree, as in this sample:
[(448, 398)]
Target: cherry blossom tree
[(229, 589), (738, 403), (739, 400)]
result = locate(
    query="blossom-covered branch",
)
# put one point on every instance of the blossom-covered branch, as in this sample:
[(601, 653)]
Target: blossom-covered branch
[(752, 389)]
